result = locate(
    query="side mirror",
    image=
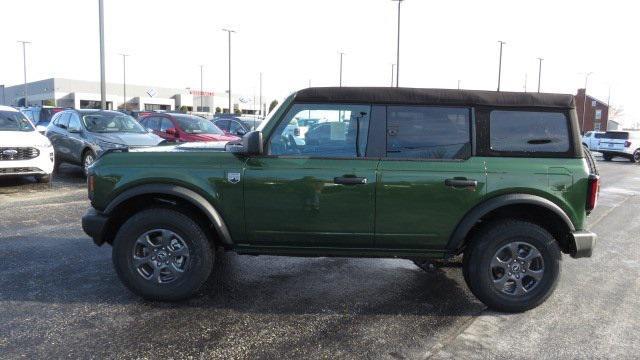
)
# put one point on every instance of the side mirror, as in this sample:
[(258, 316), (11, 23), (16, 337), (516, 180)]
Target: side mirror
[(171, 131), (241, 132), (250, 144), (73, 130)]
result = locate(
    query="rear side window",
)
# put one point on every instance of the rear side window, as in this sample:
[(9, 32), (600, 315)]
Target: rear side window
[(618, 135), (422, 132), (514, 131)]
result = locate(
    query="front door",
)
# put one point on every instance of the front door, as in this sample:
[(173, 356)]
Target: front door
[(428, 178), (306, 193)]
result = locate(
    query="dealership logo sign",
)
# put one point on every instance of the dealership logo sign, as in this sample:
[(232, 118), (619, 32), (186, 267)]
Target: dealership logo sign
[(152, 92)]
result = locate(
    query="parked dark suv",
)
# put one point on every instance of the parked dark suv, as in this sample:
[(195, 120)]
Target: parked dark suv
[(80, 136), (421, 174)]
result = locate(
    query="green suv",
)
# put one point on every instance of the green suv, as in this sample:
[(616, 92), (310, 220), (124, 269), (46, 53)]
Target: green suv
[(420, 174)]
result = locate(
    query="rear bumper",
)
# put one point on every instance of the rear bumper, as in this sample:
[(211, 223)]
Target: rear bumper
[(94, 225), (583, 243)]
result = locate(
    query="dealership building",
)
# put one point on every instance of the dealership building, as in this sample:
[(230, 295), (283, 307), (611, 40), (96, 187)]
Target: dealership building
[(82, 94)]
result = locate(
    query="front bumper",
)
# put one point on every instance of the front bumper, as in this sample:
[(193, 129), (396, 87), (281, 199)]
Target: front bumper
[(94, 225), (41, 165), (583, 243)]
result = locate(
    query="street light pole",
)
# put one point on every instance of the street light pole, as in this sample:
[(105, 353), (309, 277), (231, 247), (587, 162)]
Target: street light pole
[(398, 47), (458, 84), (341, 54), (124, 80), (24, 63), (539, 72), (229, 33), (260, 112), (103, 85), (392, 67), (584, 102), (500, 63)]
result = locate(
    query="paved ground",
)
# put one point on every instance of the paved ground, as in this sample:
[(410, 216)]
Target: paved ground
[(59, 296)]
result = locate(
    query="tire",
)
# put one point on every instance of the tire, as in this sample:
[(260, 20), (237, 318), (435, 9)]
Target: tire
[(635, 158), (43, 178), (493, 242), (88, 157), (607, 157), (146, 280)]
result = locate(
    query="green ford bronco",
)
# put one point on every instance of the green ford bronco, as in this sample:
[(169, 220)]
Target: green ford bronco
[(419, 174)]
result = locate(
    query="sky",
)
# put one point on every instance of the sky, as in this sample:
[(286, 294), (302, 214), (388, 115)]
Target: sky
[(295, 43)]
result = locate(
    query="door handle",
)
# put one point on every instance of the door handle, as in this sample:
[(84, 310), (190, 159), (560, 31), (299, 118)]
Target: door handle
[(350, 180), (460, 183)]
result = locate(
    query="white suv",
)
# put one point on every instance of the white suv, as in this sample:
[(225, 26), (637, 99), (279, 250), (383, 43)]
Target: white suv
[(620, 143), (23, 150)]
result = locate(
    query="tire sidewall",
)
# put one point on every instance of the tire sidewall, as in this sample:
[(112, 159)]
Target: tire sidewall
[(200, 254), (479, 270)]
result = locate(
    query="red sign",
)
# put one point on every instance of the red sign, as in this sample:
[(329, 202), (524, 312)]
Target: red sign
[(201, 93)]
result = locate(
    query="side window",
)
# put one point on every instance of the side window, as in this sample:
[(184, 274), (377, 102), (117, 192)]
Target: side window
[(223, 124), (234, 126), (341, 131), (74, 122), (528, 131), (165, 124), (63, 120), (425, 132), (56, 118)]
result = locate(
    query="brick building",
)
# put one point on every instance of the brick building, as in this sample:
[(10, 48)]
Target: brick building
[(595, 113)]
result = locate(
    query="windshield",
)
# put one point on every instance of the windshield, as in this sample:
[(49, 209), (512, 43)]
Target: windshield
[(104, 122), (14, 121), (196, 125)]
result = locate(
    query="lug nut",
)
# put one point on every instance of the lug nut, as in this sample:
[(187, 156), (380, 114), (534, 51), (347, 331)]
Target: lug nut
[(517, 276)]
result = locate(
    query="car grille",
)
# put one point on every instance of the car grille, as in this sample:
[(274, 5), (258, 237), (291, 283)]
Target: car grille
[(18, 153), (22, 170)]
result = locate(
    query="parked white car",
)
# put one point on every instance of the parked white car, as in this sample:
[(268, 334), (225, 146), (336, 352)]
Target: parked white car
[(23, 150), (624, 144), (591, 139)]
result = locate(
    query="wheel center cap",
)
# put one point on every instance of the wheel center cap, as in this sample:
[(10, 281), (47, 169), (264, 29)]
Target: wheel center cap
[(162, 256), (515, 267)]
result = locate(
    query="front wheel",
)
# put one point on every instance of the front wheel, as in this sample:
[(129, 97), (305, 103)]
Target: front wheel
[(162, 254), (43, 178), (636, 156), (87, 159), (512, 266)]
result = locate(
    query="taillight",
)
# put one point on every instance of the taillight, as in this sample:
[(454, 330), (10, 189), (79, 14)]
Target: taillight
[(593, 189), (627, 143)]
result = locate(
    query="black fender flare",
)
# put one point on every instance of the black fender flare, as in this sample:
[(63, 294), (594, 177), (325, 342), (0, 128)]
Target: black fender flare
[(191, 196), (456, 241)]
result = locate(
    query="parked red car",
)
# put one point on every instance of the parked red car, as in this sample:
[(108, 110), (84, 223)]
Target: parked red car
[(183, 128)]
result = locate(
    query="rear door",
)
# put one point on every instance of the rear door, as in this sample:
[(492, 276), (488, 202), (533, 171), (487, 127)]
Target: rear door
[(428, 179), (57, 134), (317, 195)]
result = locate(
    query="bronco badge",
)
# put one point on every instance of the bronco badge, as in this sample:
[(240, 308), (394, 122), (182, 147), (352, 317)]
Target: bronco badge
[(233, 178)]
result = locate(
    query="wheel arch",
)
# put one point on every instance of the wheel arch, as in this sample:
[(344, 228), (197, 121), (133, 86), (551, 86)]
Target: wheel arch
[(171, 194), (526, 207)]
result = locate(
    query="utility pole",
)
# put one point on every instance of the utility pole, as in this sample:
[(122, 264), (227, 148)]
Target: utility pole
[(103, 85), (392, 68), (398, 46), (24, 63), (3, 98), (525, 81), (458, 84), (539, 72), (500, 63), (201, 89), (584, 102), (124, 80), (341, 54), (229, 33)]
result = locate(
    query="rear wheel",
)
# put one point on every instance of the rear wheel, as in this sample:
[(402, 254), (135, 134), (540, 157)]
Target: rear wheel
[(636, 156), (162, 254), (607, 157), (512, 266)]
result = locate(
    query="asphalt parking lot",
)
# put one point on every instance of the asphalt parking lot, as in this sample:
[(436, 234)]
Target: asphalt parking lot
[(59, 296)]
